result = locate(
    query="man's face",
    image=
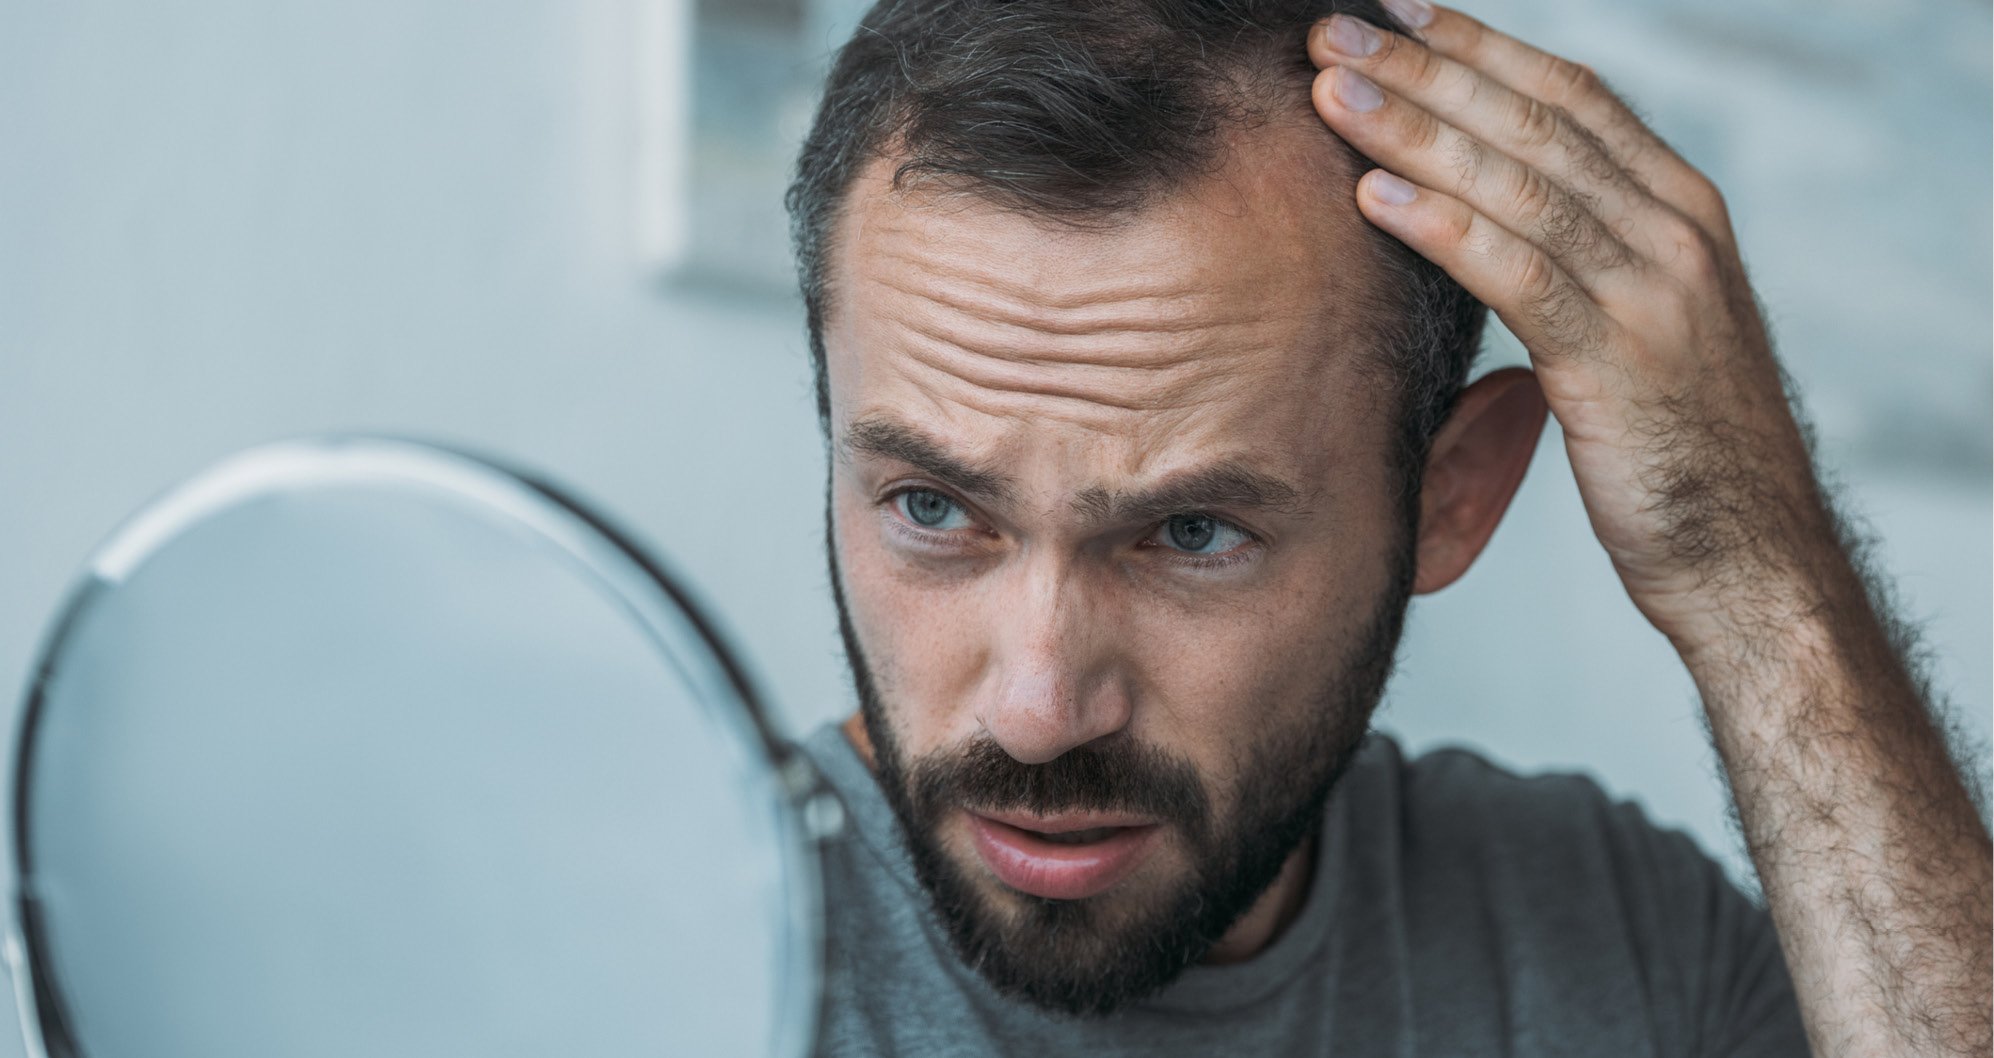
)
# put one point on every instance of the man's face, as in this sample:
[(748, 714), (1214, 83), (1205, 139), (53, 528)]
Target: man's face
[(1120, 557)]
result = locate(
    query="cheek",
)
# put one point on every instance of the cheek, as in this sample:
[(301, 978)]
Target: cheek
[(1221, 681), (921, 642)]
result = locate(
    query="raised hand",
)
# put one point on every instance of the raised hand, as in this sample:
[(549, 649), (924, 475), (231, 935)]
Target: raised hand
[(1613, 261)]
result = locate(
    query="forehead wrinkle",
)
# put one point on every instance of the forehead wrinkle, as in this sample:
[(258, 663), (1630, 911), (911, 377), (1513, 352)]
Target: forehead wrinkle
[(1024, 345), (1181, 364), (1168, 306), (1048, 286), (1131, 340), (1137, 436), (1122, 387)]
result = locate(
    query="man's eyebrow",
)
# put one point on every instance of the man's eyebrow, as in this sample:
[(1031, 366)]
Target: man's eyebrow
[(892, 439), (1226, 485)]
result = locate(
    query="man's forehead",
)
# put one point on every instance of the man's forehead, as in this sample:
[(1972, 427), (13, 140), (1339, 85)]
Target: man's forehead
[(1276, 213), (1228, 316)]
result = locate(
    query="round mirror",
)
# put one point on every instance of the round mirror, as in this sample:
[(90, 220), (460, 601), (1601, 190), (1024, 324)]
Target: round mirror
[(361, 747)]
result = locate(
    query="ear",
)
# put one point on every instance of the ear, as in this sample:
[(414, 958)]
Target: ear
[(1476, 463)]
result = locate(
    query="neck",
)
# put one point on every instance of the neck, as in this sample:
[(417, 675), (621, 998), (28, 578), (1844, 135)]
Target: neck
[(1272, 914)]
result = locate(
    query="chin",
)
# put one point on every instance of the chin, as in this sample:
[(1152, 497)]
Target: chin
[(1086, 957)]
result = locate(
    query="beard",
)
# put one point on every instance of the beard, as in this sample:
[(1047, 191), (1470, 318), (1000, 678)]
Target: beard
[(1092, 956)]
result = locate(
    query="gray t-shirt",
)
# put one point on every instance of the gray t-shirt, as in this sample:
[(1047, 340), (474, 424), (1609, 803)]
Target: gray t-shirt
[(1456, 909)]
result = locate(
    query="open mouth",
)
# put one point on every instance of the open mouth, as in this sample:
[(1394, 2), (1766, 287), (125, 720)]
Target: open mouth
[(1076, 837), (1067, 863)]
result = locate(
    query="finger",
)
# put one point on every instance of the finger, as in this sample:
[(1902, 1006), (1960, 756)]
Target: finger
[(1411, 141), (1578, 89), (1535, 133), (1547, 310)]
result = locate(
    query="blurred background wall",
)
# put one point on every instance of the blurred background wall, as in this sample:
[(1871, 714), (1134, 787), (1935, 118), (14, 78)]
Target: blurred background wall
[(551, 229)]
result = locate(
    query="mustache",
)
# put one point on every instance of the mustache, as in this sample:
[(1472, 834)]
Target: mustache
[(1114, 774)]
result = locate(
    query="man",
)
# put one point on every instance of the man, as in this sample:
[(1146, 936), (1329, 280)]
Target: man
[(1141, 330)]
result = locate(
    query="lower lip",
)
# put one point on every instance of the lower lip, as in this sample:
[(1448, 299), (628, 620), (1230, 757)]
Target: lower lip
[(1030, 864)]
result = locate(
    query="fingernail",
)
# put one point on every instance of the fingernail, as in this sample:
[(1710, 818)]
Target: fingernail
[(1352, 37), (1415, 14), (1391, 190), (1356, 90)]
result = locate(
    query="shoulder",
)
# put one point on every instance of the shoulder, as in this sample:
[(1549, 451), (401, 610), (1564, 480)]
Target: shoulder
[(1549, 861), (1452, 805), (1550, 883), (1453, 778)]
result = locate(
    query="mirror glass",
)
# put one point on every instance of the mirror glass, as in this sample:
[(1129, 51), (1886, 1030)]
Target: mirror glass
[(359, 747)]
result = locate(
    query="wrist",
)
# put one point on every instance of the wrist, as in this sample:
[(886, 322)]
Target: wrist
[(1766, 616), (1788, 636)]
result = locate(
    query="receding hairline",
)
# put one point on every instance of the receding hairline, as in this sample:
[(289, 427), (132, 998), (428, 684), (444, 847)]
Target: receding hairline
[(1251, 102), (1066, 100)]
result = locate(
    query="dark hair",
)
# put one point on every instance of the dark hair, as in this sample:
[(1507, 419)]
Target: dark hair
[(1087, 109)]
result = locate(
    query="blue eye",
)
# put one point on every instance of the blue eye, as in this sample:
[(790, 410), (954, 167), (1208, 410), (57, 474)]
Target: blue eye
[(1200, 534), (931, 510)]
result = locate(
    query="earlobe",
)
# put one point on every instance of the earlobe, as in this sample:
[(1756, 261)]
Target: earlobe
[(1477, 461)]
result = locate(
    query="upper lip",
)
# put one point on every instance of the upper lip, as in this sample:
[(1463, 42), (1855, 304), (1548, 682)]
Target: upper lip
[(1065, 822)]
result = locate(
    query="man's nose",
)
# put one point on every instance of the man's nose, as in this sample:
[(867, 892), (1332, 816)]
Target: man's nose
[(1056, 684)]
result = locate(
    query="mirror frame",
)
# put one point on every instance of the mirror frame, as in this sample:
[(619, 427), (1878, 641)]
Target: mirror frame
[(610, 559)]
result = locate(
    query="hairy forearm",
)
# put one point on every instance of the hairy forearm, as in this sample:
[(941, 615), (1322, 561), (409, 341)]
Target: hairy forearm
[(1875, 865)]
